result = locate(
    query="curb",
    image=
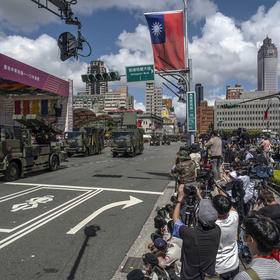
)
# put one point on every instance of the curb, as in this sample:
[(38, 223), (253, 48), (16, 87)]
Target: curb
[(140, 245)]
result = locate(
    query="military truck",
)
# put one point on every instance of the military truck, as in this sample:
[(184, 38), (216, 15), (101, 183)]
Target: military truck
[(85, 140), (127, 138), (31, 147)]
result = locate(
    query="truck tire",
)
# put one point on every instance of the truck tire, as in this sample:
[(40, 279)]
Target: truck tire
[(12, 173), (69, 155), (54, 163), (115, 154)]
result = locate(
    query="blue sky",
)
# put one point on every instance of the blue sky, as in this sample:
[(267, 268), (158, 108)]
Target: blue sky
[(224, 38)]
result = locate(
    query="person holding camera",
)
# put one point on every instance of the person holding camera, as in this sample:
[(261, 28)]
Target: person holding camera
[(261, 235), (200, 243), (215, 150), (227, 262)]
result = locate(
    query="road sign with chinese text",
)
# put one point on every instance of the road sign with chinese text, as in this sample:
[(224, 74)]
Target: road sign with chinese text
[(191, 111), (140, 73)]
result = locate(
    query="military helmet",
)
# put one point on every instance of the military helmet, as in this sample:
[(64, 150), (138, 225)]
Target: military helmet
[(183, 155)]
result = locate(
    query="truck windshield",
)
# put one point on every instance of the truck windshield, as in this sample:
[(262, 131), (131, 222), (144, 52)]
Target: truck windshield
[(121, 135), (73, 135)]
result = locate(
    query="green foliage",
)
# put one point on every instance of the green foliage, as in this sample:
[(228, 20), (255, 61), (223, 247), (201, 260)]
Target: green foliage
[(210, 128), (254, 133)]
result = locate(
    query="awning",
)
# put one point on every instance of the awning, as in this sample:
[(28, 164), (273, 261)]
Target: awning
[(19, 78)]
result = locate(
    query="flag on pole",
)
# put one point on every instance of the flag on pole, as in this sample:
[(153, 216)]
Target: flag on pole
[(266, 113), (167, 36)]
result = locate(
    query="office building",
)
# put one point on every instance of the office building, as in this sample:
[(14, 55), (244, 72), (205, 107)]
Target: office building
[(268, 67), (119, 98), (153, 99), (250, 115), (234, 92), (98, 88), (204, 117), (199, 94)]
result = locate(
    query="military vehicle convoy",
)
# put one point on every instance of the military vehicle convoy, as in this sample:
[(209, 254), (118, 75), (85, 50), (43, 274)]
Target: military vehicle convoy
[(31, 147), (85, 140), (128, 138)]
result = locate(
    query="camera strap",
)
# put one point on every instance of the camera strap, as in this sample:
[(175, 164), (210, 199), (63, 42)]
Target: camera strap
[(252, 273)]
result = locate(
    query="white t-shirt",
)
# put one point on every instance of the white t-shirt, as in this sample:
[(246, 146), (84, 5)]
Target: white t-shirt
[(227, 256)]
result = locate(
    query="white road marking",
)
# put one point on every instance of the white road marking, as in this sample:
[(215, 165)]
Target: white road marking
[(88, 188), (21, 193), (46, 213), (10, 239), (127, 203)]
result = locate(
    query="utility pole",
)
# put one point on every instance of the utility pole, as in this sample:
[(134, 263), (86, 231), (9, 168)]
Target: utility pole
[(190, 136)]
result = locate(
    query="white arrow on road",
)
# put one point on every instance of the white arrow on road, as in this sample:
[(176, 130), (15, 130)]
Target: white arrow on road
[(127, 203)]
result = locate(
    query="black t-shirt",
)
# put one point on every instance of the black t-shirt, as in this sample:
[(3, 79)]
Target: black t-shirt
[(199, 251), (271, 211)]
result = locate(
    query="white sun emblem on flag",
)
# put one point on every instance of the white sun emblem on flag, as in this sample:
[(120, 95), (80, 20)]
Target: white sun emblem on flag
[(156, 29)]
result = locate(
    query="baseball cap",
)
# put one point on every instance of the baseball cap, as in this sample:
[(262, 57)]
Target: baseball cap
[(135, 274), (207, 214), (160, 243), (150, 258)]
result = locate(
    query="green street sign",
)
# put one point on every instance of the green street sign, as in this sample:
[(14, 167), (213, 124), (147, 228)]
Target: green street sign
[(140, 73), (191, 111)]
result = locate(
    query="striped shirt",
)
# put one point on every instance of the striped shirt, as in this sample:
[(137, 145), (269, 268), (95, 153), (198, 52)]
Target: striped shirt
[(267, 269)]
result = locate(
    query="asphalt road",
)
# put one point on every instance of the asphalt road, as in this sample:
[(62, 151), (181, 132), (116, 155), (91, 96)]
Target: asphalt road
[(43, 216)]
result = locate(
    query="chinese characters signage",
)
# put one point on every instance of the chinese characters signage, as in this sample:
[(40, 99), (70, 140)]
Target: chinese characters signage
[(191, 111), (140, 73)]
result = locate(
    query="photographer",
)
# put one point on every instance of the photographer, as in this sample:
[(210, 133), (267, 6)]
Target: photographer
[(261, 235), (215, 149), (227, 262), (200, 244)]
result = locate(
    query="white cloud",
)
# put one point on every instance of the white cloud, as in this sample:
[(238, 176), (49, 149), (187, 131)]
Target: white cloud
[(135, 49), (139, 106), (43, 54), (24, 15), (200, 9), (180, 108), (18, 15)]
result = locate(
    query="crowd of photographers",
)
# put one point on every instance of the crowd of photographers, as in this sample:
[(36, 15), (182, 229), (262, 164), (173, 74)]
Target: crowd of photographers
[(222, 222)]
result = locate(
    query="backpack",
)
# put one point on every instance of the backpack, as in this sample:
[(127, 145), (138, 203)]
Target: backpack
[(161, 273), (186, 171)]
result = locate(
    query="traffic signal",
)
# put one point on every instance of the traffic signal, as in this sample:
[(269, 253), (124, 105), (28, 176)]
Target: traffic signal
[(230, 105), (101, 77), (68, 45)]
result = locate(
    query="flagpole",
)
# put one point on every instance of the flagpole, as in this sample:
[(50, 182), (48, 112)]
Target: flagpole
[(189, 135)]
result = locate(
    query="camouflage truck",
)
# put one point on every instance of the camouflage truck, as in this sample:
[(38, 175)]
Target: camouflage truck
[(31, 147), (86, 141), (128, 138)]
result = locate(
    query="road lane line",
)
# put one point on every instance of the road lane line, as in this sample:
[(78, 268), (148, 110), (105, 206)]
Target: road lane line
[(12, 238), (21, 193), (91, 188), (52, 210), (44, 214)]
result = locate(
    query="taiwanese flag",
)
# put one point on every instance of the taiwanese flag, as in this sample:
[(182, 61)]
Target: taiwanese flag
[(266, 113), (167, 36)]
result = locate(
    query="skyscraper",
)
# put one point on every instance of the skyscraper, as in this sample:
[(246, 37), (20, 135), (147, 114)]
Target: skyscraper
[(98, 88), (267, 67), (153, 99), (199, 94)]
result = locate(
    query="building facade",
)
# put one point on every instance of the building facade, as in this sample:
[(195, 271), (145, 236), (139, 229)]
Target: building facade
[(234, 92), (250, 115), (152, 124), (91, 102), (204, 117), (199, 94), (98, 88), (119, 98), (268, 67), (153, 99), (167, 102)]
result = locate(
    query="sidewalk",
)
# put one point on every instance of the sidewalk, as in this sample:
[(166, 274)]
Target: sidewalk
[(141, 243)]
